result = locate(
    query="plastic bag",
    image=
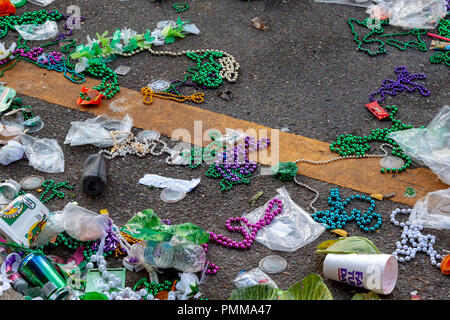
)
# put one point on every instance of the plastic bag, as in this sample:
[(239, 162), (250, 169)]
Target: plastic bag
[(41, 2), (96, 131), (430, 146), (83, 224), (253, 277), (44, 31), (13, 151), (433, 210), (54, 226), (43, 154), (357, 3), (290, 230), (13, 118), (410, 14)]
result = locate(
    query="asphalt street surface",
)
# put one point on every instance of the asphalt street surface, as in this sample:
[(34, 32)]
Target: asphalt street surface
[(304, 73)]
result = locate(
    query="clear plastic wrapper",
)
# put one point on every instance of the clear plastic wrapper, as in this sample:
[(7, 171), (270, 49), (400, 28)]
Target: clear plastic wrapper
[(45, 31), (253, 277), (41, 2), (43, 154), (13, 118), (290, 230), (10, 153), (356, 3), (96, 131), (83, 224), (185, 256), (433, 210), (429, 146), (410, 14), (53, 227)]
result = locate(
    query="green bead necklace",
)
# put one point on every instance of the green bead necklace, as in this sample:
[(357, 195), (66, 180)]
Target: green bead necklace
[(198, 155), (348, 144), (50, 185), (366, 40), (154, 288), (180, 7), (100, 70)]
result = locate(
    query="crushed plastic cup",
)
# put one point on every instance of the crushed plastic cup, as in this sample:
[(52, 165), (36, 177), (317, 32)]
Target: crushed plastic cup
[(146, 135), (172, 194), (159, 85), (33, 125), (273, 264), (31, 182), (391, 162), (375, 272)]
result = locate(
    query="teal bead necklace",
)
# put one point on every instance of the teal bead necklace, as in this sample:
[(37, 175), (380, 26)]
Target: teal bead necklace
[(336, 217), (34, 17), (368, 40), (348, 144), (50, 186)]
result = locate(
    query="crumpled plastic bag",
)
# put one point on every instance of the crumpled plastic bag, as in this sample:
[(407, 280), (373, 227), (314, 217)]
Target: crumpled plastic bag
[(96, 131), (53, 227), (253, 277), (12, 152), (43, 154), (290, 230), (429, 146), (41, 2), (83, 224), (146, 225), (356, 3), (79, 223), (186, 284), (47, 30), (433, 210), (410, 14)]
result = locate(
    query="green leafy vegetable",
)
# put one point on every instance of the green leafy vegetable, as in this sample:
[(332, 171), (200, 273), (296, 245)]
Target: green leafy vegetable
[(348, 245), (366, 296), (255, 292), (310, 287)]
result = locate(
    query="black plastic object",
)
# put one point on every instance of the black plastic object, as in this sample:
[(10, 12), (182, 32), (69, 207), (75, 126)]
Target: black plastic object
[(94, 175)]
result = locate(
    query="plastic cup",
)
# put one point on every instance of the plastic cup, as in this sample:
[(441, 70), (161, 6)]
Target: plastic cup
[(375, 272)]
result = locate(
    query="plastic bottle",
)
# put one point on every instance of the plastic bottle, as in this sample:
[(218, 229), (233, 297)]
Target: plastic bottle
[(183, 257)]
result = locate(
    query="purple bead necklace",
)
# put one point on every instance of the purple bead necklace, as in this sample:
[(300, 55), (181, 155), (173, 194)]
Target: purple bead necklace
[(393, 87), (270, 214)]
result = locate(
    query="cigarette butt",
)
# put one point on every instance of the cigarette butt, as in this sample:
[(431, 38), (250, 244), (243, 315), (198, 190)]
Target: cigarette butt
[(377, 196)]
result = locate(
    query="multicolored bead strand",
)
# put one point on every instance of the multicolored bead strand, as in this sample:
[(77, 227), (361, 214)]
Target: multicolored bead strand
[(270, 214), (336, 217), (444, 31)]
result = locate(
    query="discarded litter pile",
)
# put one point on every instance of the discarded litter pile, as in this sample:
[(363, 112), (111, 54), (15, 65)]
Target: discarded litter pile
[(30, 233)]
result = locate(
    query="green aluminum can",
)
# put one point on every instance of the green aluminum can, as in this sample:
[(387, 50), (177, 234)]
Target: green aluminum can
[(39, 272)]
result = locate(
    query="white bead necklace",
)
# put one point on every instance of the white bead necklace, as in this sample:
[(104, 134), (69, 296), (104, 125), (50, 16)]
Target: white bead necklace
[(131, 145), (418, 242)]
